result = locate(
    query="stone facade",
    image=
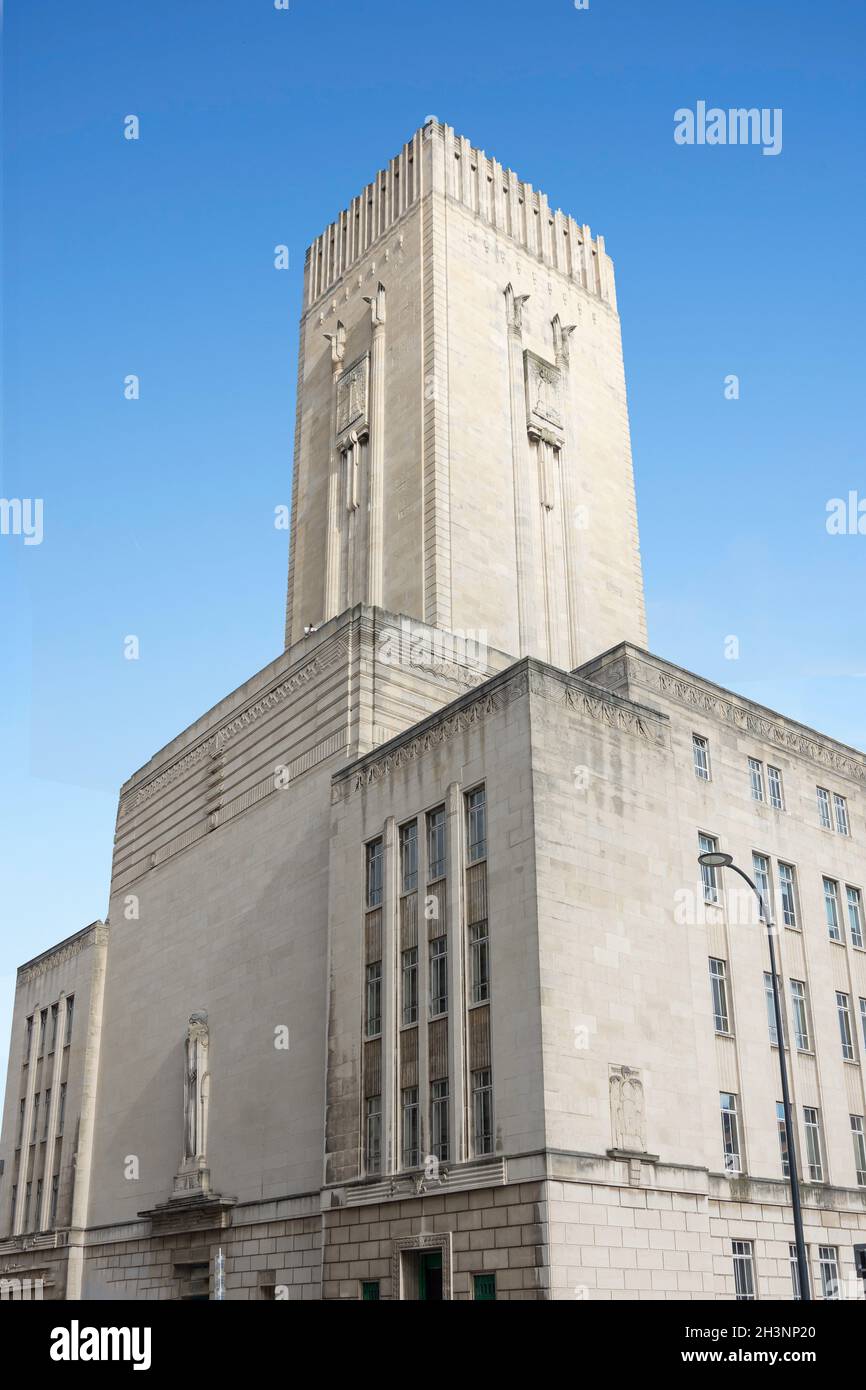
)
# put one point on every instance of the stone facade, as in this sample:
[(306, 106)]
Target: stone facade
[(411, 987)]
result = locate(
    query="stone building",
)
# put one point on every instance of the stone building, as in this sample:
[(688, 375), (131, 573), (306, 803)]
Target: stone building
[(411, 985)]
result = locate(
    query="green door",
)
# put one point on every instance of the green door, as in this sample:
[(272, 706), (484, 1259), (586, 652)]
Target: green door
[(430, 1276)]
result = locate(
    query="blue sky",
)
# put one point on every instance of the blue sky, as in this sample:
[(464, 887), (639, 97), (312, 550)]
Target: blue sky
[(155, 257)]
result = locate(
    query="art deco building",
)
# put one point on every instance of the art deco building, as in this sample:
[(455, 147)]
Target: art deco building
[(411, 986)]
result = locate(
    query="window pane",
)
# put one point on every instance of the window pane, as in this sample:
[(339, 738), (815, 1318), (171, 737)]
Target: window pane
[(840, 806), (801, 1016), (375, 855), (701, 754), (374, 999), (744, 1270), (831, 908), (708, 845), (783, 1139), (756, 779), (843, 1010), (409, 857), (787, 892), (438, 976), (813, 1144), (479, 963), (828, 1263), (436, 843), (482, 1111), (825, 817), (774, 779), (476, 828), (855, 915), (858, 1134), (409, 986), (730, 1133), (719, 988)]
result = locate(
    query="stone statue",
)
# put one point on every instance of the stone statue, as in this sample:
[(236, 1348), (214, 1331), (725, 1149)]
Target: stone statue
[(628, 1121), (195, 1086)]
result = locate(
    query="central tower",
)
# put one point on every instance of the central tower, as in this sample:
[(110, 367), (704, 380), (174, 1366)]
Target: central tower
[(462, 450)]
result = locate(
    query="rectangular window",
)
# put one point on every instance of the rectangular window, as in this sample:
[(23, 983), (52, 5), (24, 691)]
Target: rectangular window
[(756, 779), (814, 1147), (701, 755), (61, 1109), (774, 784), (47, 1114), (858, 1134), (825, 815), (788, 894), (374, 1134), (476, 825), (52, 1210), (43, 1031), (27, 1191), (795, 1270), (484, 1287), (831, 908), (409, 1126), (828, 1264), (438, 976), (708, 844), (373, 1019), (843, 1011), (375, 865), (479, 963), (21, 1108), (783, 1139), (840, 806), (35, 1124), (370, 1291), (744, 1270), (439, 1131), (482, 1111), (29, 1040), (863, 1021), (855, 914), (761, 873), (409, 986), (70, 1009), (787, 888), (719, 988), (436, 844), (771, 1009), (800, 1010), (37, 1214), (55, 1009), (730, 1133), (409, 857)]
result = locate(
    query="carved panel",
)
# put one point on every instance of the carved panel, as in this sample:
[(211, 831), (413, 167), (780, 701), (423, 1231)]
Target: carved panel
[(476, 893), (437, 1042), (353, 396), (408, 921), (409, 1057), (543, 396), (479, 1037)]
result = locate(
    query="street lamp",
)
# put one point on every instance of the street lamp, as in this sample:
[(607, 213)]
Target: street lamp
[(717, 859)]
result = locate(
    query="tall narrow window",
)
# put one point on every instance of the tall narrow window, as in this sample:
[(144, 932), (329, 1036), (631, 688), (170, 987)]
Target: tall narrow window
[(439, 1133), (52, 1210), (479, 963), (43, 1031), (70, 1010), (409, 1126), (708, 844), (756, 779), (482, 1111), (27, 1191), (21, 1108), (761, 872), (719, 988), (858, 1134), (831, 908), (37, 1214), (855, 914), (795, 1270), (800, 1010), (438, 976), (61, 1109), (375, 862), (828, 1264), (701, 755), (436, 844), (373, 1023), (47, 1113), (771, 1009), (35, 1124), (374, 1134), (774, 784), (825, 815), (476, 825), (55, 1009), (843, 1011), (409, 857), (863, 1022), (730, 1133), (814, 1147), (744, 1270), (29, 1040), (840, 806), (409, 986), (783, 1139), (788, 894)]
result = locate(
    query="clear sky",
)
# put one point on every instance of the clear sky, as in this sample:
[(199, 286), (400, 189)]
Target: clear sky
[(155, 257)]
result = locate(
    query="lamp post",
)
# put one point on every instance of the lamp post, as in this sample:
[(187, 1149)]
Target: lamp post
[(717, 859)]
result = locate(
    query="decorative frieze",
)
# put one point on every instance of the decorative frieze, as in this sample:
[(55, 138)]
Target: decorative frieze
[(96, 935)]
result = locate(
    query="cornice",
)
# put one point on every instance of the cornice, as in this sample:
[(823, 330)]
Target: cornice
[(96, 935)]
